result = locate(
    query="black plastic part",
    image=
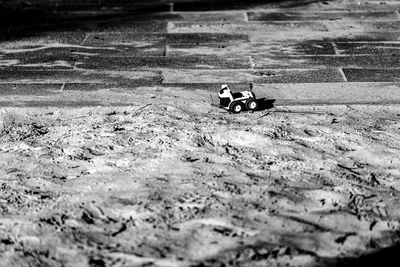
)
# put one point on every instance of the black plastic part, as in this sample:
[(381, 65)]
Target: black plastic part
[(224, 101)]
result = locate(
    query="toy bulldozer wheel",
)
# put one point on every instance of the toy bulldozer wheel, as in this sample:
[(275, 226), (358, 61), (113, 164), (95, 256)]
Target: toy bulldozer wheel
[(236, 107), (252, 104)]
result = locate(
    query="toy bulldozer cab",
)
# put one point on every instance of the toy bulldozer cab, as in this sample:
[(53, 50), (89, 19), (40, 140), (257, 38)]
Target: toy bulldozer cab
[(236, 102)]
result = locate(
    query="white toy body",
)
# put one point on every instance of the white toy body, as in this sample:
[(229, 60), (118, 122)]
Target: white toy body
[(236, 102)]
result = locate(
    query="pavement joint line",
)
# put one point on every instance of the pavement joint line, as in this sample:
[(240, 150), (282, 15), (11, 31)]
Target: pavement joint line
[(351, 55), (229, 12), (177, 57), (169, 32), (199, 83), (212, 43), (251, 62), (162, 78), (335, 48), (127, 32), (244, 82), (329, 11), (290, 42), (49, 82), (85, 38), (170, 26), (246, 16), (241, 57), (343, 74), (366, 42), (326, 55), (324, 102), (314, 20), (165, 50), (279, 102), (240, 70), (265, 22), (268, 11), (62, 87)]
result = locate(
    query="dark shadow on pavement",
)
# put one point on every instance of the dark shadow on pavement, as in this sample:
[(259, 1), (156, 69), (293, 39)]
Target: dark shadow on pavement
[(23, 18), (264, 104)]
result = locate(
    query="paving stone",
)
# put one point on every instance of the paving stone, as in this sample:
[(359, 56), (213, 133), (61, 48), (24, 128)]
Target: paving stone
[(284, 94), (59, 59), (27, 18), (120, 87), (260, 32), (354, 36), (73, 18), (214, 5), (49, 62), (18, 102), (328, 36), (68, 52), (29, 89), (66, 6), (129, 63), (106, 77), (153, 16), (123, 25), (107, 38), (286, 16), (123, 50), (311, 93), (323, 62), (251, 49), (244, 28), (290, 46), (100, 86), (330, 93), (124, 2), (197, 38), (112, 24), (126, 6), (373, 5), (23, 37), (369, 48), (363, 25), (257, 76), (372, 75), (346, 6), (125, 44), (34, 29), (286, 5), (211, 87), (225, 17)]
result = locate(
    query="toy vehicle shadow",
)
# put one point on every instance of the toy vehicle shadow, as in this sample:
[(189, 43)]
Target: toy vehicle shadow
[(263, 104)]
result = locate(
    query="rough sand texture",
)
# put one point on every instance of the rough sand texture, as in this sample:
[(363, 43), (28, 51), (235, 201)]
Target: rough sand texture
[(111, 153), (173, 181)]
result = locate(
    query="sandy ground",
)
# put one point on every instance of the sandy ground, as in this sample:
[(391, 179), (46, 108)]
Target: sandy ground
[(172, 181)]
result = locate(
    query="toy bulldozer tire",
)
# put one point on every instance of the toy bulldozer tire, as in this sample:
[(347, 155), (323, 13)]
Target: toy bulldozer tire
[(236, 107), (252, 104)]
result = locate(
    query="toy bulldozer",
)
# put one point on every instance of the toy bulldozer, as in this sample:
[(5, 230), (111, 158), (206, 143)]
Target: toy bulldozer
[(237, 102)]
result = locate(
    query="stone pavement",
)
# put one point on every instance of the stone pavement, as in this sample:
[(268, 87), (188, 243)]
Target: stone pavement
[(297, 52)]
